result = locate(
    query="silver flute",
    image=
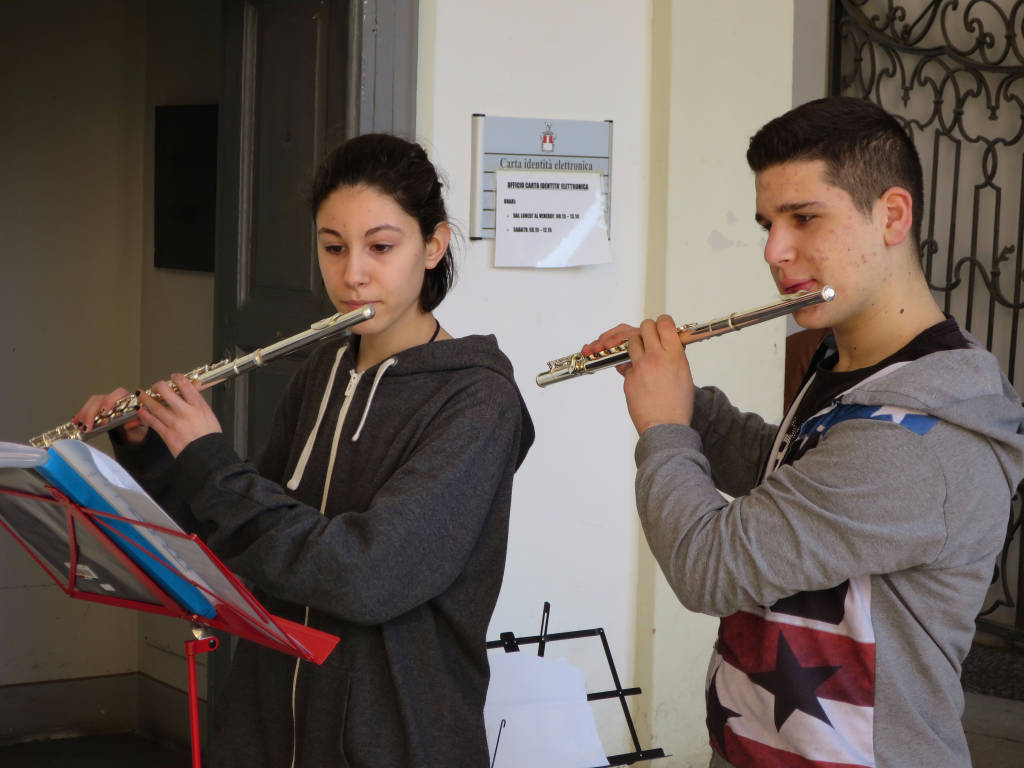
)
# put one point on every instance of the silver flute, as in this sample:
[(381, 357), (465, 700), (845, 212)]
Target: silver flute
[(565, 368), (207, 376)]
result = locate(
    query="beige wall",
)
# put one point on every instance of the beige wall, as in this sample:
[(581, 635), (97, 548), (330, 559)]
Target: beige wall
[(730, 70), (84, 310), (71, 140), (182, 66)]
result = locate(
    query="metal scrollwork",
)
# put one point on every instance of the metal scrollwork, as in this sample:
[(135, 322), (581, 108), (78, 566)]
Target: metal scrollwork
[(952, 72)]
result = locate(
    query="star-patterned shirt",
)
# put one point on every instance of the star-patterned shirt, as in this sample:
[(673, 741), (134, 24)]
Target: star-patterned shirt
[(804, 667)]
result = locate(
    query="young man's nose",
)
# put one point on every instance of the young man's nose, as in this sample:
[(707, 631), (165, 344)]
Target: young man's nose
[(778, 248)]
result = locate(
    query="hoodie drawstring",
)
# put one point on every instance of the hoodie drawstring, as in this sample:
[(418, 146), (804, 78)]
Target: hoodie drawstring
[(300, 468), (376, 380), (349, 391), (307, 449)]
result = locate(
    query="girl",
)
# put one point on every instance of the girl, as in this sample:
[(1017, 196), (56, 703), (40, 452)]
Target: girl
[(379, 508)]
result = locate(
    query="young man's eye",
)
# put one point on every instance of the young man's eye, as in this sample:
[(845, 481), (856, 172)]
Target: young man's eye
[(803, 218)]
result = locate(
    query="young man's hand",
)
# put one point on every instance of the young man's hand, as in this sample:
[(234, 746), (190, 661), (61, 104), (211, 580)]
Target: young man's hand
[(659, 386)]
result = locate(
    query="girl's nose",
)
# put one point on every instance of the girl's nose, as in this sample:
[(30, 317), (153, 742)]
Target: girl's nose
[(355, 270)]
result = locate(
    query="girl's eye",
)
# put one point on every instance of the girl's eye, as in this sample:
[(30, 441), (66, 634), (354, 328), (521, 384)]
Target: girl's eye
[(381, 247), (333, 248)]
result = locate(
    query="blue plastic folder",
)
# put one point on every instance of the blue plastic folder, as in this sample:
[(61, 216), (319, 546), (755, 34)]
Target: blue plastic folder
[(84, 476)]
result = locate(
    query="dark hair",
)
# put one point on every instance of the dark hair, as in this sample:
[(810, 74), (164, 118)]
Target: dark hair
[(864, 148), (401, 170)]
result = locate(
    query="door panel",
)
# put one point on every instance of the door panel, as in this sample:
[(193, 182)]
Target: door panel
[(299, 75), (282, 96)]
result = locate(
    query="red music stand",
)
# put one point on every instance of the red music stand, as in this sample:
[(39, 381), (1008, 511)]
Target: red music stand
[(112, 559)]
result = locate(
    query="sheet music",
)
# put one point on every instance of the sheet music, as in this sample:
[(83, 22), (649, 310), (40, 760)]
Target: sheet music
[(129, 499), (548, 721), (21, 456), (42, 527), (181, 566)]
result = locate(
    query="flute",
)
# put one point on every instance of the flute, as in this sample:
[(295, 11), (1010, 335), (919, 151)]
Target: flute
[(565, 368), (207, 376)]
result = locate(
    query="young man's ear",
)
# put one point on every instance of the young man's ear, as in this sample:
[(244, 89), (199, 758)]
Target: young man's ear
[(898, 208), (437, 244)]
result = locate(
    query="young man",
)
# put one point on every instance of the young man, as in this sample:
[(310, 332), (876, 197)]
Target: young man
[(860, 541)]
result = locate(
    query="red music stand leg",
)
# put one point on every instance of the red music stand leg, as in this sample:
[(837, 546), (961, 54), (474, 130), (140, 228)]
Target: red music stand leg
[(202, 644)]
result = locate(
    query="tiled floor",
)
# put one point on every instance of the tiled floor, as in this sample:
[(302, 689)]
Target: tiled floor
[(122, 751), (995, 731), (994, 726)]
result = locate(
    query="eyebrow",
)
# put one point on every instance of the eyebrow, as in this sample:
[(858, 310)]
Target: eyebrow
[(370, 231), (788, 208)]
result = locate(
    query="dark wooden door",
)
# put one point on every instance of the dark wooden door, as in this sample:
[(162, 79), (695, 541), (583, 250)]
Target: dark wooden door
[(283, 91), (298, 77)]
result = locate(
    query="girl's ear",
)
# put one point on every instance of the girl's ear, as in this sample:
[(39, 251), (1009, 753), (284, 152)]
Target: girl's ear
[(437, 244)]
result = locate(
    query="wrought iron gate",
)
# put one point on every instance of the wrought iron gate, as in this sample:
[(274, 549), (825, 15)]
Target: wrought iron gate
[(952, 72)]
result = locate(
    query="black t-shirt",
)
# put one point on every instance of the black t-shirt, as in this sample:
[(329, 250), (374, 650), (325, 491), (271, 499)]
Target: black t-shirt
[(828, 384)]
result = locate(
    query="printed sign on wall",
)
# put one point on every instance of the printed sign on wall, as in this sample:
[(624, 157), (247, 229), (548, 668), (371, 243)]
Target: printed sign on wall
[(550, 219), (528, 144)]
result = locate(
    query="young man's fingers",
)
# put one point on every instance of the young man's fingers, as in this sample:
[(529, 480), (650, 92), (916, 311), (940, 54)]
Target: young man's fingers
[(667, 333), (638, 343), (610, 338), (650, 335)]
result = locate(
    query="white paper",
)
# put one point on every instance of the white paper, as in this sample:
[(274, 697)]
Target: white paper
[(548, 720), (549, 219), (21, 456)]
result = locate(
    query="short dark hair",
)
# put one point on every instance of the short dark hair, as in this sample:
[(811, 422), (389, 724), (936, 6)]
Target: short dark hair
[(864, 148), (401, 170)]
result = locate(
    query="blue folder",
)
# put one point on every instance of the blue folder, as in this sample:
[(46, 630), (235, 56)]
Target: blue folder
[(83, 491)]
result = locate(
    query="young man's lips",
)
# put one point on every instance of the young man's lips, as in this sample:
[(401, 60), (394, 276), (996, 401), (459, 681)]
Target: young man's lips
[(793, 287)]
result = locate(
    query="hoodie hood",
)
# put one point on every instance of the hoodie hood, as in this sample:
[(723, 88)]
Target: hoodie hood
[(410, 370), (446, 357), (962, 387)]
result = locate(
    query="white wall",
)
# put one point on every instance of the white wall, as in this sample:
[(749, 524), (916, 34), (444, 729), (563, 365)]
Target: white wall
[(573, 538), (683, 218)]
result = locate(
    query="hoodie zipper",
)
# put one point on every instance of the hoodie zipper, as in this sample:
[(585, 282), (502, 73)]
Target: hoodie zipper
[(350, 388)]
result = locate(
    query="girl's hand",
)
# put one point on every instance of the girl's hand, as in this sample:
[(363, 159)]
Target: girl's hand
[(132, 432), (177, 418)]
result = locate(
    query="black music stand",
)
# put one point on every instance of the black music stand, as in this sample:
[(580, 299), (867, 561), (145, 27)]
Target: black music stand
[(102, 539), (511, 644)]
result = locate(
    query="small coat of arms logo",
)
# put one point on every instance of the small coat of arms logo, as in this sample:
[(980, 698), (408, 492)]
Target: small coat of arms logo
[(547, 139)]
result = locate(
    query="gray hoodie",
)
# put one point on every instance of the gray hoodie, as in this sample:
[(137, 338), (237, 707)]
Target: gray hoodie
[(850, 577), (381, 503)]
